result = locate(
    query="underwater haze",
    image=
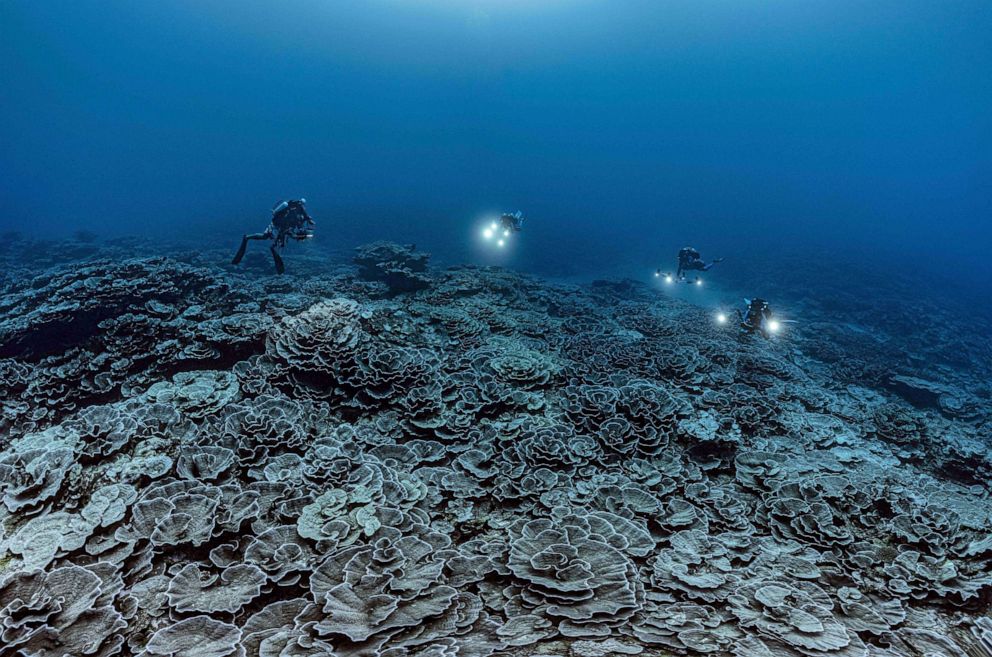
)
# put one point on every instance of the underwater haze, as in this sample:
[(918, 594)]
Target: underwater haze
[(723, 389), (623, 129)]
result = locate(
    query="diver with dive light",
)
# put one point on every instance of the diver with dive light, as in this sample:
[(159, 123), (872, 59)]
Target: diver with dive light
[(757, 318), (690, 260), (290, 220), (511, 222), (500, 230)]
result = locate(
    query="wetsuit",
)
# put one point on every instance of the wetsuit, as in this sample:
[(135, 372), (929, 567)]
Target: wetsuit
[(690, 260), (755, 318), (289, 220), (512, 222)]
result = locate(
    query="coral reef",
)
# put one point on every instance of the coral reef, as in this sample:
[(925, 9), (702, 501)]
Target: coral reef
[(396, 265), (467, 462)]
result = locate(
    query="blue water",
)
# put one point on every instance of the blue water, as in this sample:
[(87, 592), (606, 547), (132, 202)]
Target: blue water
[(623, 129)]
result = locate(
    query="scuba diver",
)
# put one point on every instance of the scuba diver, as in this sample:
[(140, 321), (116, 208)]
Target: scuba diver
[(511, 223), (757, 318), (500, 230), (290, 220), (689, 260)]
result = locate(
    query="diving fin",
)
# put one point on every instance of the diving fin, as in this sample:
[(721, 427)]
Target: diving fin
[(280, 267), (241, 251)]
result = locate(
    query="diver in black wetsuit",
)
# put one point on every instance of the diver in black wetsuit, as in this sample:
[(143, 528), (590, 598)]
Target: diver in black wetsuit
[(290, 220), (689, 260), (511, 222), (757, 318)]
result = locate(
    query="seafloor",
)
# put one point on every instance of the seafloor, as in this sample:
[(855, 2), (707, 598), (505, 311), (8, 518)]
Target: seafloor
[(387, 460)]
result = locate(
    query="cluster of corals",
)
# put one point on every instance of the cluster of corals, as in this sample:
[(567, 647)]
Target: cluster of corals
[(489, 466), (76, 336), (399, 266)]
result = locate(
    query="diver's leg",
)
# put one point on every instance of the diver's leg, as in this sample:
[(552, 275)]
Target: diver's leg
[(241, 250), (742, 317), (244, 245), (280, 267)]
